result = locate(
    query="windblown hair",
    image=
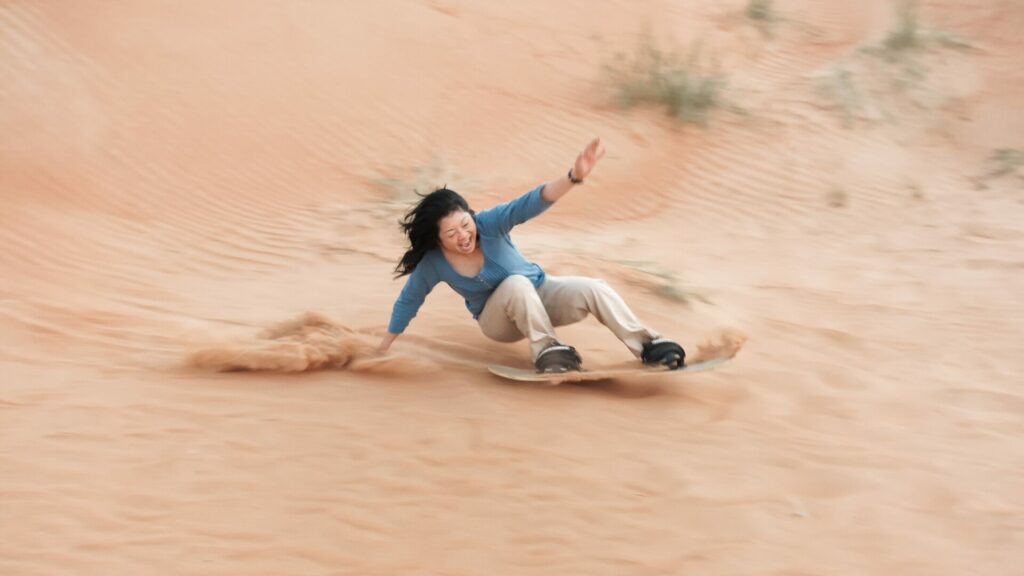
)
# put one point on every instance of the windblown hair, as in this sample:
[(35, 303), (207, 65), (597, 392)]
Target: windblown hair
[(420, 225)]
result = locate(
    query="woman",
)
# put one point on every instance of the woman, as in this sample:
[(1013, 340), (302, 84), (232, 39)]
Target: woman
[(508, 296)]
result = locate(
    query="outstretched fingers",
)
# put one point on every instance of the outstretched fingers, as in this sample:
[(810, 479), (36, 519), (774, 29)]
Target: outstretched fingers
[(586, 160)]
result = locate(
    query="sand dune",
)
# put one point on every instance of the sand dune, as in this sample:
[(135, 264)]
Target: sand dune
[(199, 204)]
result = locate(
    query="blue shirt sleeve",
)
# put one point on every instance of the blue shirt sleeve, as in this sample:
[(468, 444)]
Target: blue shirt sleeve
[(500, 219), (420, 282)]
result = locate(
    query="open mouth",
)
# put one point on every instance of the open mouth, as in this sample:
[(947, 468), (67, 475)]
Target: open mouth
[(465, 246)]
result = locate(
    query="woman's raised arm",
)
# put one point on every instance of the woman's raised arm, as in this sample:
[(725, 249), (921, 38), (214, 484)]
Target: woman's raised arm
[(585, 162)]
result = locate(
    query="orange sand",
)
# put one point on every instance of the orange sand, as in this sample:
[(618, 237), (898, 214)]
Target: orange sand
[(177, 178)]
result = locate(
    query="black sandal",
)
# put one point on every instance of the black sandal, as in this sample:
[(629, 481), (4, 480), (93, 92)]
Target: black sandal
[(663, 352), (558, 358)]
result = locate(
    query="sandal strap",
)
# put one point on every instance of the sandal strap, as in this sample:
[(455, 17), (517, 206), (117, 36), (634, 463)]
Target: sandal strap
[(557, 347)]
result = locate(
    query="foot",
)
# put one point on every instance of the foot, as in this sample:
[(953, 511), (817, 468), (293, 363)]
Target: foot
[(663, 352), (557, 358)]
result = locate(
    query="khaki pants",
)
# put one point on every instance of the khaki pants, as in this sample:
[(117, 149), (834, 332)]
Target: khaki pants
[(516, 310)]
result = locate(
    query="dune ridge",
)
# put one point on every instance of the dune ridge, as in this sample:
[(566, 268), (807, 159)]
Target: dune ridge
[(200, 205)]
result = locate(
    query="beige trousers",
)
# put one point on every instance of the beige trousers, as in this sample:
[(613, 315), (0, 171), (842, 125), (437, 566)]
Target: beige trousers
[(517, 310)]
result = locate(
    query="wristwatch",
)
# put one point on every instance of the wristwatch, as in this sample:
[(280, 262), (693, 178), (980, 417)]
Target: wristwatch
[(574, 179)]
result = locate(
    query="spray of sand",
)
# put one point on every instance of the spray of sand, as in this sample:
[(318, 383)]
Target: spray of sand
[(726, 345), (308, 342)]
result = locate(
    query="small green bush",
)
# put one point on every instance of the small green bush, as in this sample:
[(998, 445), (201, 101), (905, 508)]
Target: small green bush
[(652, 77), (760, 10)]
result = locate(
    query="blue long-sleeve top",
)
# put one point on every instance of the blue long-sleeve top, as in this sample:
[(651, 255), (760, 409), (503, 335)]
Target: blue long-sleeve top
[(501, 260)]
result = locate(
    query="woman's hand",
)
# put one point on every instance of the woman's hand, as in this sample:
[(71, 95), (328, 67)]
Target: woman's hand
[(587, 159), (585, 162), (385, 343)]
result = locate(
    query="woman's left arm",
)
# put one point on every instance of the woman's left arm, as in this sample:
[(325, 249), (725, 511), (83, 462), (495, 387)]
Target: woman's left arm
[(585, 162)]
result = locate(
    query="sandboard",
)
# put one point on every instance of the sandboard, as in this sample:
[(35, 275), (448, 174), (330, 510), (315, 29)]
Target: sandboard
[(607, 373)]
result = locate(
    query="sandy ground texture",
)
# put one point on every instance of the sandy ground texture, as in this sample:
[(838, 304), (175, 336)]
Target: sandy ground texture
[(192, 187)]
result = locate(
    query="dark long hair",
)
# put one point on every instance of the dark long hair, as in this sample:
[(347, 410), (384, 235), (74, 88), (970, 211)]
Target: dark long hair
[(420, 225)]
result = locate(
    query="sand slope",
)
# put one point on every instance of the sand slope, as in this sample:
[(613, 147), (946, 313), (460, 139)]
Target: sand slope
[(193, 187)]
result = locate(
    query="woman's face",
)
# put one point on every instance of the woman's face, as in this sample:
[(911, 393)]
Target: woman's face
[(458, 232)]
